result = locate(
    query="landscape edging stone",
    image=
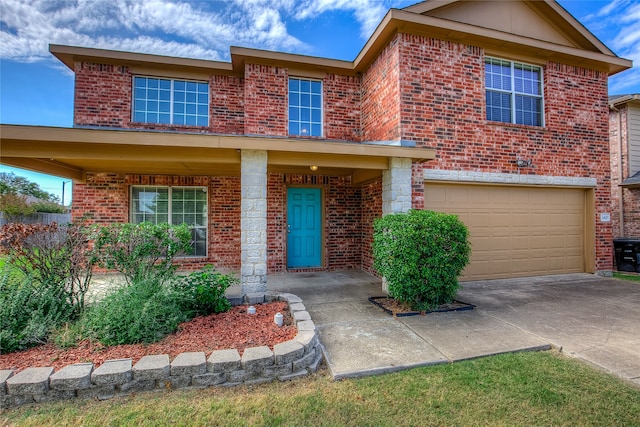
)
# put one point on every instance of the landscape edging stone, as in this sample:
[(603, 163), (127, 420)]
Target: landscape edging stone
[(292, 359)]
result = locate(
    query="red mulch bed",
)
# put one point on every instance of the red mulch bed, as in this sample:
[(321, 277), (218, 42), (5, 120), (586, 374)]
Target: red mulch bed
[(233, 329)]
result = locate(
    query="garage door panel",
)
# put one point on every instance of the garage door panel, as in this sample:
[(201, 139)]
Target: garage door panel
[(516, 231)]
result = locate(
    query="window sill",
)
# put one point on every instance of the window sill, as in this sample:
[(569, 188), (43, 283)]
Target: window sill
[(168, 127), (517, 126)]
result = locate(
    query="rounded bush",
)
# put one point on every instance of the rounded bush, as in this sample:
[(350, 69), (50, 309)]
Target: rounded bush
[(421, 254)]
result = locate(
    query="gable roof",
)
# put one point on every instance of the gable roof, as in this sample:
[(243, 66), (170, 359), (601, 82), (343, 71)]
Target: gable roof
[(544, 20), (538, 31)]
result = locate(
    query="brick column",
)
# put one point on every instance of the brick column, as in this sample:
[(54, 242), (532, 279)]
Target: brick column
[(396, 186), (253, 221)]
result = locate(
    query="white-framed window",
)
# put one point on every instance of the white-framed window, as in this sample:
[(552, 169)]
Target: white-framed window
[(514, 92), (169, 101), (305, 107), (173, 205)]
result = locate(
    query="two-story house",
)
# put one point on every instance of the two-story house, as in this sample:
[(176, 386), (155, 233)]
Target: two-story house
[(495, 111)]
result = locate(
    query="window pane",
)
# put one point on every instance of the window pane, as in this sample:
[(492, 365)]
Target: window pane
[(294, 85), (294, 128), (294, 113), (305, 86), (202, 121), (178, 85), (316, 87)]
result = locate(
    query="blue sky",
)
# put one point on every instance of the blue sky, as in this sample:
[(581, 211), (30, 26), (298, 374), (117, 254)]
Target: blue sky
[(36, 89)]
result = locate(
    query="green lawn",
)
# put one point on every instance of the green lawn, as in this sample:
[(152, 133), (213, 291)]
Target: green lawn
[(543, 388), (627, 276)]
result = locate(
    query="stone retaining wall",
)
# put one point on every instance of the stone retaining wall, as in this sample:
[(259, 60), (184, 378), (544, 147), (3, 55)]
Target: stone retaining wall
[(288, 360)]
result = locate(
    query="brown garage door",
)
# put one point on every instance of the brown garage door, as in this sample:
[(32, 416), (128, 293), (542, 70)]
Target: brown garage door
[(516, 231)]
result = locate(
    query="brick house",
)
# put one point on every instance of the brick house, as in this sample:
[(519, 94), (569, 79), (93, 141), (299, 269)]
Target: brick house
[(624, 132), (495, 111)]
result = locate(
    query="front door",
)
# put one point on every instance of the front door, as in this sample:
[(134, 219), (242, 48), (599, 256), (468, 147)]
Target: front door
[(304, 227)]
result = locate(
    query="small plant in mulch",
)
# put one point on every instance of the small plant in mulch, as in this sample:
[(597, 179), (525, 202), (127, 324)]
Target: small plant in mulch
[(421, 254)]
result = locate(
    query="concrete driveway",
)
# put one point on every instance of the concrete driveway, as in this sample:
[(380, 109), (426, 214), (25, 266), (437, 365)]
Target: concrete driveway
[(593, 318)]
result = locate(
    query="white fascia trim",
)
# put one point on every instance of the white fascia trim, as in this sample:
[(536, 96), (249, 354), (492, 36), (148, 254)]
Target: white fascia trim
[(508, 178)]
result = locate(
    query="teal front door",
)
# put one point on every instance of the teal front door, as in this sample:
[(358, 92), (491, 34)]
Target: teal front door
[(304, 227)]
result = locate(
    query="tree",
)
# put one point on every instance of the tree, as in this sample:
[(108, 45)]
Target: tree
[(19, 196), (10, 183)]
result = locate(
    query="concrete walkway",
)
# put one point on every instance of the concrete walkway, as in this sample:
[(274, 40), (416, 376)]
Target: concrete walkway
[(592, 318)]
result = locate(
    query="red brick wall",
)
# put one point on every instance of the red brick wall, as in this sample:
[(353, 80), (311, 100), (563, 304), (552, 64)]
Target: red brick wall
[(226, 109), (442, 96), (265, 100), (342, 107), (371, 209), (105, 197), (276, 223), (381, 98), (102, 95), (343, 230), (224, 221)]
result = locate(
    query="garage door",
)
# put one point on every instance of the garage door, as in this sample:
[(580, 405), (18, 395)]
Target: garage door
[(516, 231)]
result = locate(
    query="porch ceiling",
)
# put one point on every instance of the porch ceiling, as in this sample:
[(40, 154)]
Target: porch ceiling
[(71, 153)]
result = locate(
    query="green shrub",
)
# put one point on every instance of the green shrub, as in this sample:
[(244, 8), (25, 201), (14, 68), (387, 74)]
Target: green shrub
[(142, 312), (141, 251), (29, 311), (48, 206), (421, 254), (205, 290), (53, 256)]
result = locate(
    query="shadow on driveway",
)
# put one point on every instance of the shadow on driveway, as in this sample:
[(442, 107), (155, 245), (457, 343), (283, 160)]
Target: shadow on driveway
[(593, 318)]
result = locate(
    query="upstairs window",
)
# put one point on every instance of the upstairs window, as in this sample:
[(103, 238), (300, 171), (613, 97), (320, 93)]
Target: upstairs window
[(513, 92), (173, 205), (305, 107), (171, 102)]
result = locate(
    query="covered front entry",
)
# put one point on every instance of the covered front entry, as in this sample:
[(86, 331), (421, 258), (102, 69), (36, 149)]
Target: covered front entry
[(517, 231), (304, 227)]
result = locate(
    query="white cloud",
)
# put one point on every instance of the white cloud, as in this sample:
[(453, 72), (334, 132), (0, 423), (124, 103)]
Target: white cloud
[(618, 24), (367, 12), (198, 29)]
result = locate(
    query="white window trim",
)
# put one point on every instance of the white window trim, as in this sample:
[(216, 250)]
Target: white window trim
[(169, 210), (512, 93), (172, 80), (321, 106)]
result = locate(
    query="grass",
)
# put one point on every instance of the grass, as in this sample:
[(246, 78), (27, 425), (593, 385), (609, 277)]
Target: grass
[(630, 277), (511, 389)]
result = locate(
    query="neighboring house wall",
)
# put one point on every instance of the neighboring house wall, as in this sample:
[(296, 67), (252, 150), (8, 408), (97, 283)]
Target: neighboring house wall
[(624, 131)]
